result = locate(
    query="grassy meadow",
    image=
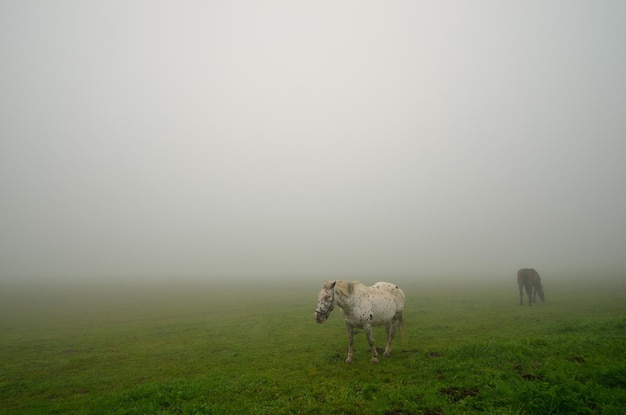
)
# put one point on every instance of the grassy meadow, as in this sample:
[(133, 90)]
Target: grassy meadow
[(207, 348)]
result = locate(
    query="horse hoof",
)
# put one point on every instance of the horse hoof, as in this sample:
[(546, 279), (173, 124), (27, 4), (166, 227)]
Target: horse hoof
[(387, 354), (348, 360), (374, 360)]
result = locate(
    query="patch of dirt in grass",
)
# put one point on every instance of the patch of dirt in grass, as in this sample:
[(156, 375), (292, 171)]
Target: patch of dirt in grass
[(400, 412), (458, 394), (434, 354), (526, 375), (530, 376)]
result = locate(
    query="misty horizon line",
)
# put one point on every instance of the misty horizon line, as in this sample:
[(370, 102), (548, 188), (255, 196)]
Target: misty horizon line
[(580, 274)]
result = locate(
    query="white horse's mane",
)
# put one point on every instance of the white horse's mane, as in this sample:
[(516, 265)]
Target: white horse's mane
[(345, 288)]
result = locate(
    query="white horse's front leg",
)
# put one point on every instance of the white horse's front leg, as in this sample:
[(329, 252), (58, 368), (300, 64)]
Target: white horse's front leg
[(350, 342), (370, 339)]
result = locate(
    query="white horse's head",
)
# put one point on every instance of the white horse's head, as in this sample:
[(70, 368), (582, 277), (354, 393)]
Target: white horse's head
[(326, 301)]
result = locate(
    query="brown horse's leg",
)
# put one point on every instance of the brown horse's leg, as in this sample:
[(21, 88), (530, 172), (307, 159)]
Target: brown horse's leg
[(370, 339), (350, 343), (521, 294)]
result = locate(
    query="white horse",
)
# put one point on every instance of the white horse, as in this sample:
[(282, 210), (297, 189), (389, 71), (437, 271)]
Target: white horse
[(363, 307)]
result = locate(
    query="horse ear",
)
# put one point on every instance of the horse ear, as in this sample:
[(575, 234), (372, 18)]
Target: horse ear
[(332, 285)]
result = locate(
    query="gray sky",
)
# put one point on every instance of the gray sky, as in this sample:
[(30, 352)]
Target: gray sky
[(365, 140)]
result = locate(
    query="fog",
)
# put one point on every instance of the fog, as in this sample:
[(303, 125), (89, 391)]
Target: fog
[(231, 140)]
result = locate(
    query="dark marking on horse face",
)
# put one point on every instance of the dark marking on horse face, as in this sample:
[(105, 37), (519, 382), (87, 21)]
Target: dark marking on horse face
[(371, 317)]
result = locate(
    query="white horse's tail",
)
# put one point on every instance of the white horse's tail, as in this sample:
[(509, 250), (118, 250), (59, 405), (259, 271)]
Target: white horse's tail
[(401, 326)]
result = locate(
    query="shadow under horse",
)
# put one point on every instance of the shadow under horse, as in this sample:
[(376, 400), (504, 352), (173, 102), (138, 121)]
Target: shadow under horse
[(529, 279)]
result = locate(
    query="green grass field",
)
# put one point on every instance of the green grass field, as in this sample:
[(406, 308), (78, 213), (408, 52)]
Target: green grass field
[(205, 348)]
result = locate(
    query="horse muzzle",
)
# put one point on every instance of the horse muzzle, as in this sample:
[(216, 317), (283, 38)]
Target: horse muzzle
[(320, 317)]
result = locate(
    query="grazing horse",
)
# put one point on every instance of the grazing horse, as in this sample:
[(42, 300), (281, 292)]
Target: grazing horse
[(363, 307), (529, 279)]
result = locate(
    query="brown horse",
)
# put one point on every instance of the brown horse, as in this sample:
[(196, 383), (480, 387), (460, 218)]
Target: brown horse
[(529, 279)]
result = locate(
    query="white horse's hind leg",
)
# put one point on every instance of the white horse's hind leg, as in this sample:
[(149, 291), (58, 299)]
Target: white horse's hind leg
[(390, 328), (350, 343), (370, 339)]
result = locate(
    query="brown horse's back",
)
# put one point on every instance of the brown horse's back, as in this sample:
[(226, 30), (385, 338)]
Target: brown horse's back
[(527, 276)]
